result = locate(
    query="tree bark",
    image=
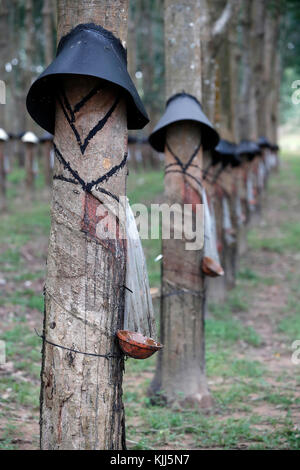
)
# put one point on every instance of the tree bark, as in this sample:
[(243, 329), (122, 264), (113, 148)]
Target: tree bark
[(47, 13), (81, 395), (247, 111), (258, 14), (29, 50), (269, 51), (4, 54), (47, 148), (180, 372)]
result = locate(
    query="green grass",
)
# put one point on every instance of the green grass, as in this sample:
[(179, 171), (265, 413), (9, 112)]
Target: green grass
[(23, 347), (291, 326), (287, 239), (230, 331), (7, 436), (145, 187), (228, 340), (164, 426), (26, 298)]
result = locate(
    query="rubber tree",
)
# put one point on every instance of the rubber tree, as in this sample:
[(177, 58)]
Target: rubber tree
[(180, 372), (269, 67), (81, 395), (4, 54), (47, 13), (3, 202), (218, 22)]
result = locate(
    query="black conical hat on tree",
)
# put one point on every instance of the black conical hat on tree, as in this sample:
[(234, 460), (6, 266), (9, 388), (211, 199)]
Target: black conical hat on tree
[(183, 107), (88, 50), (263, 142), (275, 147), (249, 148), (227, 152)]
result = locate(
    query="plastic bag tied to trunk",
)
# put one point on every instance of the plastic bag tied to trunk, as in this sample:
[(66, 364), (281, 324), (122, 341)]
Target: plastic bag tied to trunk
[(239, 211), (227, 224), (250, 192), (139, 314), (261, 173), (211, 264)]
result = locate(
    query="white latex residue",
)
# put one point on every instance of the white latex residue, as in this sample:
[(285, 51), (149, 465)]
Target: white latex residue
[(139, 313)]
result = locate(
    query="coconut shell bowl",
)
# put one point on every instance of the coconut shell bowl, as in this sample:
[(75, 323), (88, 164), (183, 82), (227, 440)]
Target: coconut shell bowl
[(136, 345)]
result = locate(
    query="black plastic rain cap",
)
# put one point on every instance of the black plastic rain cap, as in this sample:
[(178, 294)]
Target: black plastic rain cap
[(227, 153), (264, 143), (248, 148), (224, 148), (275, 148), (183, 107), (88, 50)]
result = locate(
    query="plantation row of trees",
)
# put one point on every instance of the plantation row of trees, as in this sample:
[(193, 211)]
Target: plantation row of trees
[(222, 54), (28, 43)]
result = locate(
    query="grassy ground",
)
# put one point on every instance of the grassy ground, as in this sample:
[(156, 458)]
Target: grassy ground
[(255, 386)]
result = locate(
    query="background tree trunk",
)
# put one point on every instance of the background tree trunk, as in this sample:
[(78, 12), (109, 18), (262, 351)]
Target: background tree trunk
[(258, 14), (48, 30), (246, 114), (81, 395), (4, 55), (29, 50), (3, 203), (180, 372)]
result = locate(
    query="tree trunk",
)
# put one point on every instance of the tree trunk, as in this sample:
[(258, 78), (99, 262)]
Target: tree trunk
[(258, 14), (180, 373), (47, 148), (4, 54), (81, 395), (246, 114), (48, 30), (29, 50), (2, 180), (275, 77)]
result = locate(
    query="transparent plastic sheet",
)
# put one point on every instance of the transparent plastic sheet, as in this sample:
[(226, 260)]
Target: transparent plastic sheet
[(261, 175), (250, 192), (210, 231), (227, 225), (267, 160), (52, 159), (239, 211), (35, 166), (272, 160), (6, 164), (139, 313)]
